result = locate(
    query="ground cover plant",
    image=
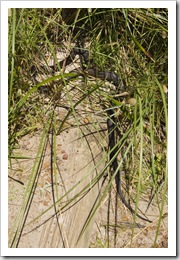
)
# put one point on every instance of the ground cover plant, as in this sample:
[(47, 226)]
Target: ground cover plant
[(132, 43)]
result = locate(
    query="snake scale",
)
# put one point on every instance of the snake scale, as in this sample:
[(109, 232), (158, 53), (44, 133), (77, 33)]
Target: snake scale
[(113, 78)]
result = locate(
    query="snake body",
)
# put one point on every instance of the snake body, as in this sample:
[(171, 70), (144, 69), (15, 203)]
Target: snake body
[(113, 78), (84, 59)]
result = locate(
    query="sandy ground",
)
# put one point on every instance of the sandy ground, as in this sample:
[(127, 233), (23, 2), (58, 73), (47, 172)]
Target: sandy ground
[(76, 157)]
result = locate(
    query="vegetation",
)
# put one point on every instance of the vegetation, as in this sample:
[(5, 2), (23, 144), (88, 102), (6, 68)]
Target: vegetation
[(131, 42)]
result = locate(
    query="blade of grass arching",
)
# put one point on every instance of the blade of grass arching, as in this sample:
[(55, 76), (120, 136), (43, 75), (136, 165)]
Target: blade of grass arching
[(34, 89), (141, 48), (55, 157), (140, 165), (166, 172), (19, 221), (11, 51), (12, 56), (76, 18), (152, 147), (53, 174), (21, 157), (135, 124)]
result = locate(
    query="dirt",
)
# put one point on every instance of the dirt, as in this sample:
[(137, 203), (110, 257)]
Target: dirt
[(77, 153), (76, 157)]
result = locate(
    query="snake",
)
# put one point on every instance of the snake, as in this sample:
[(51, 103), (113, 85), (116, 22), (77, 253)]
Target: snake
[(113, 148), (113, 78)]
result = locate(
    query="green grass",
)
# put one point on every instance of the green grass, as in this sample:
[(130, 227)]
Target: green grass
[(131, 42)]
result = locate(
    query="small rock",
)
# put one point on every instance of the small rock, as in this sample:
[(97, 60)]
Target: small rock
[(132, 101), (165, 89), (65, 156), (86, 120)]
